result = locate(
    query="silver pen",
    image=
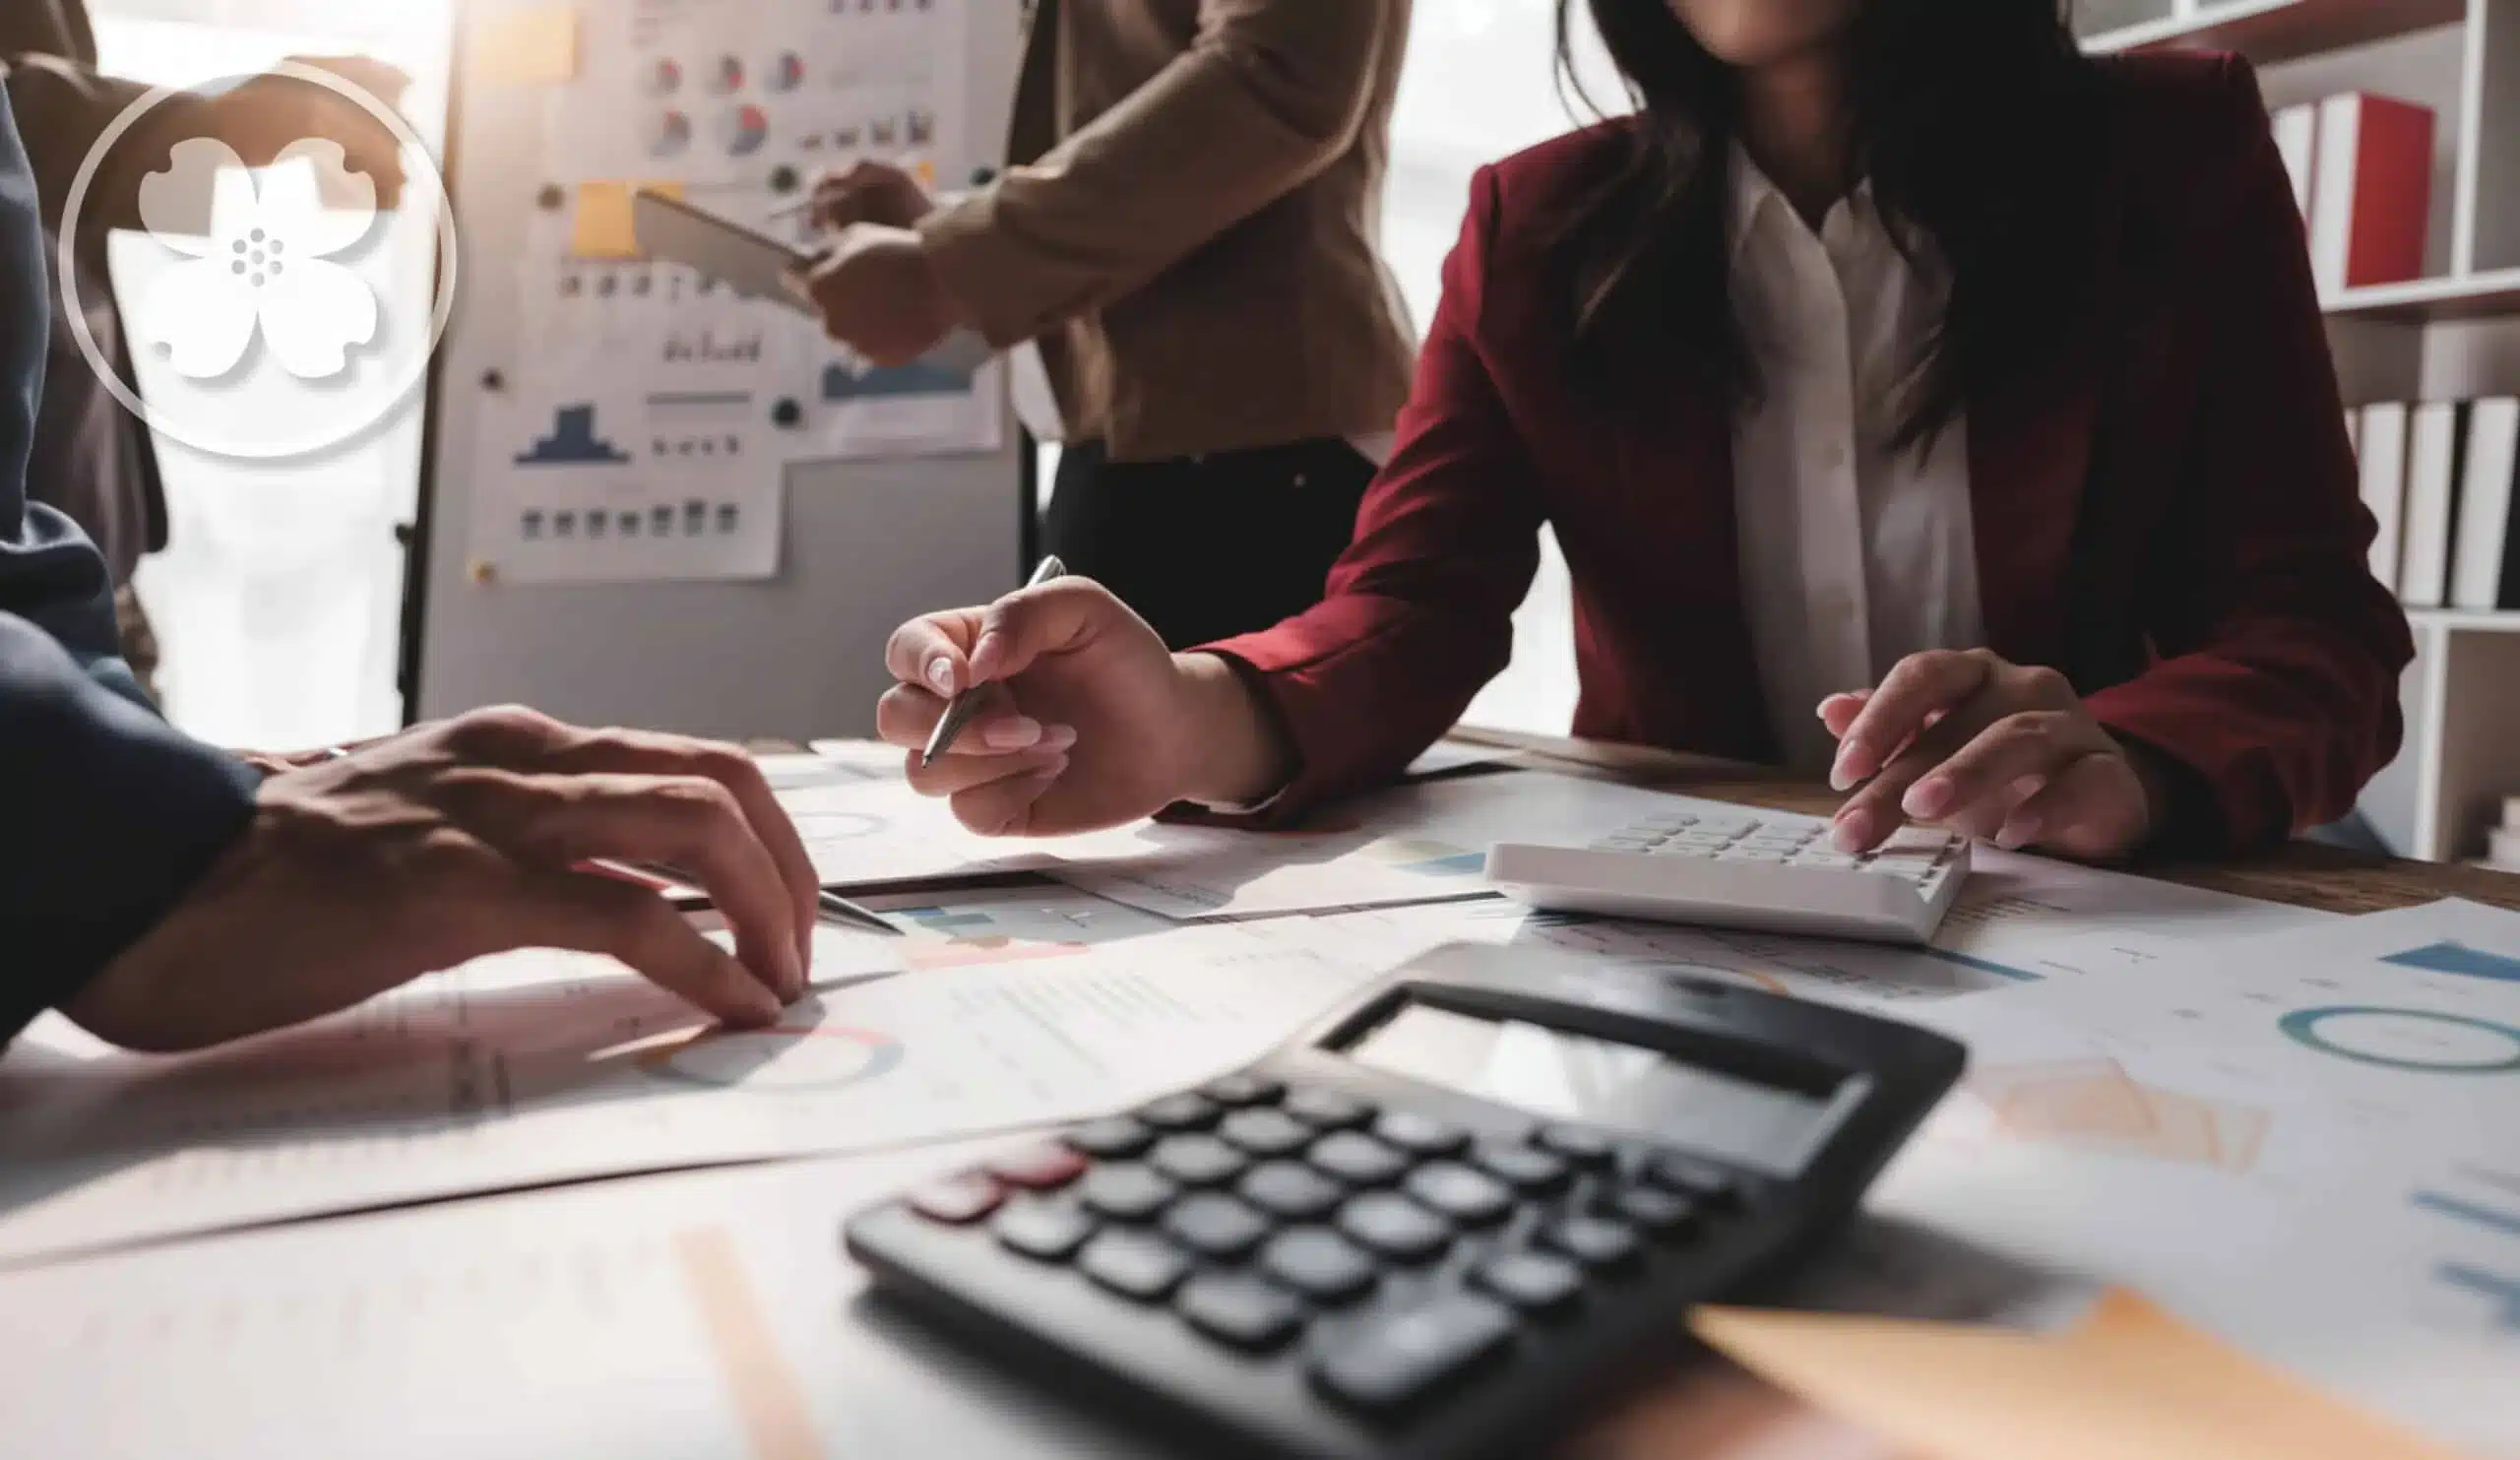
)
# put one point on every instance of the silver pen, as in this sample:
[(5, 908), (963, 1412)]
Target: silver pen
[(962, 707)]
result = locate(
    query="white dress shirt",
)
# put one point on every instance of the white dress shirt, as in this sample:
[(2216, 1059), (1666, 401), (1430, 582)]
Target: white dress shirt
[(1853, 555)]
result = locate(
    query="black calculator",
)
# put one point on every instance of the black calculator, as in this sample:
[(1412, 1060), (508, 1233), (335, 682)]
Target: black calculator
[(1447, 1221)]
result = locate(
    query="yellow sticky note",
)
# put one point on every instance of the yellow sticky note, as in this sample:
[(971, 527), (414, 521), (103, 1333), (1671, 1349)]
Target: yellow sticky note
[(537, 45), (2131, 1383), (605, 226)]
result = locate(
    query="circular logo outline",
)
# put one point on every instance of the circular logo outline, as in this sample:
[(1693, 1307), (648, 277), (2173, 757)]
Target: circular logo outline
[(441, 308), (2302, 1026)]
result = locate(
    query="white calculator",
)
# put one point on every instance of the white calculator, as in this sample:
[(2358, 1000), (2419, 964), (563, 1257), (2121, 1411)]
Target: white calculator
[(1737, 869)]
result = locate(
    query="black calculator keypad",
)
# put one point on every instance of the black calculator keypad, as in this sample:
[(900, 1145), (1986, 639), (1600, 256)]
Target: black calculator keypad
[(1598, 1243), (1119, 1138), (1291, 1192), (1358, 1160), (1318, 1263), (1239, 1090), (1266, 1133), (1184, 1111), (1214, 1225), (1663, 1213), (1327, 1108), (1126, 1194), (1528, 1169), (1133, 1263), (1197, 1160), (1420, 1135), (1239, 1310), (1580, 1144), (1707, 1185), (1535, 1282), (1395, 1227), (1041, 1230), (1399, 1355), (1459, 1193)]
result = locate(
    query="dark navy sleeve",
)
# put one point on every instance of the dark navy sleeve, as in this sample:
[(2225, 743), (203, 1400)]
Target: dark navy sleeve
[(107, 815)]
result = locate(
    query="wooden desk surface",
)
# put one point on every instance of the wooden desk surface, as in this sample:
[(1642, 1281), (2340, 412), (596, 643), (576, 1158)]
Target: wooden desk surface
[(2305, 874)]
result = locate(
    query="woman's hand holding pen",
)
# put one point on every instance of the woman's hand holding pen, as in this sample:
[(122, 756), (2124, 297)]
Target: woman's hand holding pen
[(1088, 720), (1966, 740)]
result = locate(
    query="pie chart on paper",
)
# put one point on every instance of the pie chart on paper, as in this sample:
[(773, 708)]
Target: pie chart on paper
[(785, 1059)]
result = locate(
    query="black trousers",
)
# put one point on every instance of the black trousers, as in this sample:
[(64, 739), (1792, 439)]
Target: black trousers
[(1208, 547)]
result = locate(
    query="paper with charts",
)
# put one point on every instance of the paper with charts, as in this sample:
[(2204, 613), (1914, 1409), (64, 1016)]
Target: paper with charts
[(540, 1067), (2308, 1138)]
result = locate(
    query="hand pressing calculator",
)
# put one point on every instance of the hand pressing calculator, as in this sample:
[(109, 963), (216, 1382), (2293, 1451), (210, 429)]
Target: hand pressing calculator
[(1771, 873), (1441, 1224)]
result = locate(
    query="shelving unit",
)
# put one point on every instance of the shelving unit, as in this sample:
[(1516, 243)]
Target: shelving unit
[(2268, 32), (2452, 336), (2424, 301)]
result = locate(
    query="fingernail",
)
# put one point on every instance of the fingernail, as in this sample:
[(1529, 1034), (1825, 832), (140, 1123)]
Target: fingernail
[(1020, 732), (791, 974), (1927, 799), (940, 675), (1854, 831), (1842, 776), (760, 1004), (1059, 736), (2019, 832)]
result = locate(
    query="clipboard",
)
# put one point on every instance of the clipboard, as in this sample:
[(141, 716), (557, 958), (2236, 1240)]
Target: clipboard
[(757, 266)]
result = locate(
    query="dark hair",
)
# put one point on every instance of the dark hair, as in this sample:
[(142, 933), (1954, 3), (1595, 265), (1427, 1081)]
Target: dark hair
[(1975, 122)]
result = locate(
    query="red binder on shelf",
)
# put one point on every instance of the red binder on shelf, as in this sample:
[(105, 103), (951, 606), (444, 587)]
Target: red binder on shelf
[(2373, 200)]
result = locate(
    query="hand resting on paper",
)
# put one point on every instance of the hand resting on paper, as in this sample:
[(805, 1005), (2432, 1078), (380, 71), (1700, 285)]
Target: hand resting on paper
[(1090, 721), (460, 839)]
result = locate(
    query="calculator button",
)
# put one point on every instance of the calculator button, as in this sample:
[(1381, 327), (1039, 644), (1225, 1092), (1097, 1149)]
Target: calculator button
[(1707, 1185), (1214, 1225), (1317, 1263), (1594, 1241), (1134, 1264), (1535, 1282), (1239, 1090), (1043, 1231), (1524, 1167), (1197, 1160), (956, 1199), (1239, 1310), (1183, 1111), (1420, 1135), (1266, 1133), (1459, 1193), (1395, 1227), (1327, 1108), (1667, 1213), (1118, 1138), (1580, 1144), (1355, 1158), (1393, 1358), (1125, 1193), (1297, 1194), (1042, 1166)]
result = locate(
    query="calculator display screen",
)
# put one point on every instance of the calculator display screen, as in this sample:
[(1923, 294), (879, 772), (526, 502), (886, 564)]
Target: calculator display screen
[(1566, 1076)]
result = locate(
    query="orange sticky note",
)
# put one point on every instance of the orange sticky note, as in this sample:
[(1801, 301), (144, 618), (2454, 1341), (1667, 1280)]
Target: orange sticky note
[(537, 45), (605, 226), (2131, 1383)]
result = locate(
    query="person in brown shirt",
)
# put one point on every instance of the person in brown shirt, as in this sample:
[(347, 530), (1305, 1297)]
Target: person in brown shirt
[(1188, 233)]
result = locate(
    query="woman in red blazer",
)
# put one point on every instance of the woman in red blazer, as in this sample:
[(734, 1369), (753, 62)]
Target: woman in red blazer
[(1912, 398)]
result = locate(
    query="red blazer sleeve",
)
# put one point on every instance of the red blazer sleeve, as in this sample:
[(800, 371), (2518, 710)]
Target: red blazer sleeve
[(2280, 655), (1418, 613)]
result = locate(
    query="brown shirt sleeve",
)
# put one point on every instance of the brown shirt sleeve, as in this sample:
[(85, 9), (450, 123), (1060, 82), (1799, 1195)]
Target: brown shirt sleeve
[(64, 109), (1268, 93)]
